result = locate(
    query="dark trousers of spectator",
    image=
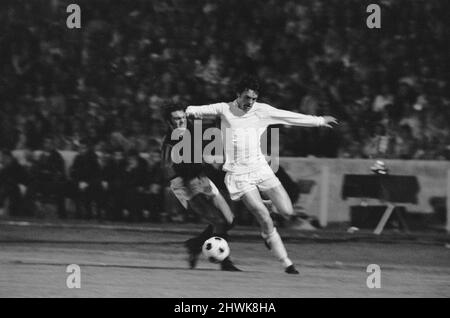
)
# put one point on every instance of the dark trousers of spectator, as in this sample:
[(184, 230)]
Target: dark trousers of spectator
[(153, 203), (109, 203), (17, 202), (86, 200), (133, 201), (50, 192)]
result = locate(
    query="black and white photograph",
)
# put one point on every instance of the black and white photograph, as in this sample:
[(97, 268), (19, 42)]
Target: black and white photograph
[(224, 156)]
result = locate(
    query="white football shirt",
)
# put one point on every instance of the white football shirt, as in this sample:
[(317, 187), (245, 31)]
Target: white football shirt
[(241, 132)]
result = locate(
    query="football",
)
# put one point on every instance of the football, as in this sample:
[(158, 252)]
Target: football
[(216, 249)]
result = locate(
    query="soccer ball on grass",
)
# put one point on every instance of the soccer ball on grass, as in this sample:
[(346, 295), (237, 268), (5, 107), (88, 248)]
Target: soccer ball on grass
[(215, 249)]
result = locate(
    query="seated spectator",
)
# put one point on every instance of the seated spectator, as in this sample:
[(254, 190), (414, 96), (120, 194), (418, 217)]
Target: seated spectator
[(379, 145), (105, 196), (155, 194), (135, 183), (112, 183), (85, 180), (383, 99), (14, 181), (404, 143), (48, 177)]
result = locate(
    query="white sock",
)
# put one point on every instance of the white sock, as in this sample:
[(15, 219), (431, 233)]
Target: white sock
[(277, 247)]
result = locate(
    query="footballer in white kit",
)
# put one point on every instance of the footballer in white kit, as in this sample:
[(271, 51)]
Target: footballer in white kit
[(243, 121)]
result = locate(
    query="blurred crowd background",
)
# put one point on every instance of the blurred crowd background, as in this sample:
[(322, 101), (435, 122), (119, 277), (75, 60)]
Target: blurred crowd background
[(105, 84)]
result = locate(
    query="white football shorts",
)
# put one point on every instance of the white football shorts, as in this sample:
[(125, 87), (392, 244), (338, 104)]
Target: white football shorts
[(261, 179)]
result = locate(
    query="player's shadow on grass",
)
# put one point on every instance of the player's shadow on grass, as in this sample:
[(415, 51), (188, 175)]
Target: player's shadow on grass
[(33, 241), (31, 263)]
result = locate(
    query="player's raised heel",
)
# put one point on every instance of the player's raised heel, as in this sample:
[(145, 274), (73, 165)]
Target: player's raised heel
[(227, 265), (291, 270)]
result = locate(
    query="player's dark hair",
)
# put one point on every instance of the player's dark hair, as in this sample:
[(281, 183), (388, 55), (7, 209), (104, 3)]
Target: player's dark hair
[(170, 107), (248, 82)]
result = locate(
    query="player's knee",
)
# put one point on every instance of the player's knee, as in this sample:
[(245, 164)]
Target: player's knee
[(286, 210)]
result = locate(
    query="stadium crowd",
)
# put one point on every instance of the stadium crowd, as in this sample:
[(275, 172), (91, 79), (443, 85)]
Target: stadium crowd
[(104, 84)]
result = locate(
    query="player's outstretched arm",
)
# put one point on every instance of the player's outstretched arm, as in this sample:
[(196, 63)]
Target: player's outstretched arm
[(285, 117), (199, 112)]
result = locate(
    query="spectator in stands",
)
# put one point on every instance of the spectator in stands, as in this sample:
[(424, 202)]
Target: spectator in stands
[(105, 195), (85, 180), (383, 99), (113, 179), (404, 143), (155, 194), (14, 181), (135, 184), (380, 144), (130, 59), (48, 177)]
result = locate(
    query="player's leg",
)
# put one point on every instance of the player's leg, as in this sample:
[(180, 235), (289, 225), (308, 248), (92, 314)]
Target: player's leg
[(213, 208), (254, 203), (280, 199), (223, 219), (210, 204), (271, 188), (194, 244), (203, 207), (221, 204), (206, 201), (183, 195), (244, 187), (282, 205)]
